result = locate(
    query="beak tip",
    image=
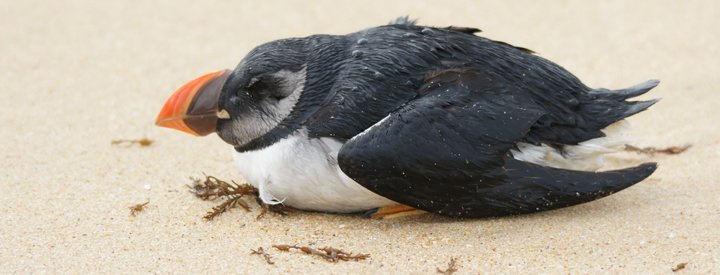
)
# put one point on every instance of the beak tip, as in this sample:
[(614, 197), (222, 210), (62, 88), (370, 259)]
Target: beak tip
[(186, 109)]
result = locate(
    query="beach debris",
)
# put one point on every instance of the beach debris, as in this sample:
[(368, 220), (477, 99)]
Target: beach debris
[(673, 150), (143, 142), (212, 188), (327, 253), (452, 267), (679, 267), (228, 204), (135, 209), (261, 251)]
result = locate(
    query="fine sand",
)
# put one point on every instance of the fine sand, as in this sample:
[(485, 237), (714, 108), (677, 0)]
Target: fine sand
[(76, 75)]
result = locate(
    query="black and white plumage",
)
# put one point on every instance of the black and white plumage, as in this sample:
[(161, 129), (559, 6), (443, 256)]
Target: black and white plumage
[(435, 118)]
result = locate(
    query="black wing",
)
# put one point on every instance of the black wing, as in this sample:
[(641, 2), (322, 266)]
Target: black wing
[(448, 152)]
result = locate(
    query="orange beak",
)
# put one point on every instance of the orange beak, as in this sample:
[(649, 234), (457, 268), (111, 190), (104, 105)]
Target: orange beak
[(193, 108)]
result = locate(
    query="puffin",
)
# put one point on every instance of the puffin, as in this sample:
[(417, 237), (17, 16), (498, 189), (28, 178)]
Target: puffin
[(404, 117)]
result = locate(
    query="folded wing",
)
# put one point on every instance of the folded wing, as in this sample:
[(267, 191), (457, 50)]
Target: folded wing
[(448, 152)]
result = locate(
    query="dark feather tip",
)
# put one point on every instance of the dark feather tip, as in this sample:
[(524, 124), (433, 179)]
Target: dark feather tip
[(403, 20)]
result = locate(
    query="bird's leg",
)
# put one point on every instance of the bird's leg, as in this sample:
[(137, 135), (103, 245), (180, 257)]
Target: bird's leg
[(279, 209), (394, 211)]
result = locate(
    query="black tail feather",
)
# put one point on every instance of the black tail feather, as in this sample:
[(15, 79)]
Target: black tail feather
[(630, 92), (605, 107), (637, 106)]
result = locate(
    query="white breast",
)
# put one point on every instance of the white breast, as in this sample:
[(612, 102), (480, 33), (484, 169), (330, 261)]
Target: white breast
[(303, 173)]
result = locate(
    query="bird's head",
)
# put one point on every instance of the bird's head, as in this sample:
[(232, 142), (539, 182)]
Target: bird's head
[(245, 103)]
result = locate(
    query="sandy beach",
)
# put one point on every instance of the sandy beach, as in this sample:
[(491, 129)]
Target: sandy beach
[(76, 75)]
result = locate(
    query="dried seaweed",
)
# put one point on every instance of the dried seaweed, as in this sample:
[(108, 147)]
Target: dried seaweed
[(673, 150), (212, 188), (231, 202), (143, 142), (135, 209), (261, 251), (452, 267), (329, 254), (679, 267)]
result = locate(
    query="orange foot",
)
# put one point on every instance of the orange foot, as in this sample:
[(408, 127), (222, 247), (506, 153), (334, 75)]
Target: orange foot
[(394, 211)]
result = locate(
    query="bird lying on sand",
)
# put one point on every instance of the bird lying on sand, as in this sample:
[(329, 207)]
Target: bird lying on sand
[(402, 117)]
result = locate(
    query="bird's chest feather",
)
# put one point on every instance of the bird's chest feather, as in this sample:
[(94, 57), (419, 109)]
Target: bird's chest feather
[(303, 173)]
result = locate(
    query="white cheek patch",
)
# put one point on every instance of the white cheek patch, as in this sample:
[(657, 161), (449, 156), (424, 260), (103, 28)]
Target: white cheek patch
[(285, 106), (586, 156), (248, 127), (253, 125)]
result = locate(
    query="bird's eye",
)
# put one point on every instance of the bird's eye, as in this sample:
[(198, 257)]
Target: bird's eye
[(273, 87), (259, 88)]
